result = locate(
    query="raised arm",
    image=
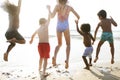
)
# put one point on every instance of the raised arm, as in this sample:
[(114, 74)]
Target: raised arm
[(75, 13), (76, 21), (7, 1), (19, 5), (49, 14), (54, 11), (113, 22), (5, 6)]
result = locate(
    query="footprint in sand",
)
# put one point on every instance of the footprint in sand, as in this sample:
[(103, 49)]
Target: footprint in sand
[(34, 77)]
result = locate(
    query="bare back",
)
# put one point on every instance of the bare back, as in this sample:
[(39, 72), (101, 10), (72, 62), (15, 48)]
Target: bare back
[(63, 12), (43, 34), (87, 37), (13, 12), (106, 25), (13, 22)]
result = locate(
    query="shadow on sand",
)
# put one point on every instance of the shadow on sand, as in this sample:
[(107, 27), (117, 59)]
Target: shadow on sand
[(106, 75)]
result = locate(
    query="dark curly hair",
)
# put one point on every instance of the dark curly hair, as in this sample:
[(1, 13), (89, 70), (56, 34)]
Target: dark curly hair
[(85, 27)]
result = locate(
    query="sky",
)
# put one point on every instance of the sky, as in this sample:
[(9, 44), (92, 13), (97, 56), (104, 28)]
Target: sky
[(33, 10)]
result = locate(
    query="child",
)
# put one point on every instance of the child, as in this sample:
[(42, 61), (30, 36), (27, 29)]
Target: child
[(43, 46), (63, 10), (87, 37), (107, 35), (12, 34)]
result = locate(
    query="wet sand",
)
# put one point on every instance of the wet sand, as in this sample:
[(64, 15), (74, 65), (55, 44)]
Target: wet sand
[(23, 63)]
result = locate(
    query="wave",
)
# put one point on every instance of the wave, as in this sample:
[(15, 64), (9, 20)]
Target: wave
[(75, 34)]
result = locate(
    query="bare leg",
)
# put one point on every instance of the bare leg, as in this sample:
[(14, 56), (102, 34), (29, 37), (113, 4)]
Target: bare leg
[(13, 41), (67, 39), (55, 55), (40, 63), (59, 37), (98, 50), (16, 41), (86, 63), (90, 61), (112, 52), (10, 47), (67, 56), (44, 66)]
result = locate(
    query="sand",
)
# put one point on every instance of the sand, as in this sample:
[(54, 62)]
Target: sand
[(23, 63)]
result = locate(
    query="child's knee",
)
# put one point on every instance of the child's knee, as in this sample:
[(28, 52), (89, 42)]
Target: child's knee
[(13, 44)]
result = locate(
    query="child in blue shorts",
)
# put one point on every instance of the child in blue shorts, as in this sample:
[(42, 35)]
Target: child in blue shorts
[(87, 40), (105, 24)]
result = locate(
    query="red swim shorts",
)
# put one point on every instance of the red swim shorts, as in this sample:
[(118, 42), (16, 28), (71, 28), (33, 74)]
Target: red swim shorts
[(44, 50)]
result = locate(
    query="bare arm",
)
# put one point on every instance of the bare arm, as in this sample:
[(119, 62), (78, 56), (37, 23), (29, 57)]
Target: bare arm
[(113, 22), (96, 31), (92, 38), (6, 5), (76, 21), (19, 5), (49, 14), (75, 13), (54, 11), (7, 1), (33, 37)]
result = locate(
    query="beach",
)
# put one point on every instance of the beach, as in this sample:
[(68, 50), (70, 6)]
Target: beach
[(23, 62), (24, 58)]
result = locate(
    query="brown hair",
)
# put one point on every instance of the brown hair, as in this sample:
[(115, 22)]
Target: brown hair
[(102, 13), (62, 1)]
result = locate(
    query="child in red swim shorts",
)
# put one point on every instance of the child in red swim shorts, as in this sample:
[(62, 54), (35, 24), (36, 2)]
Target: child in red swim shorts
[(44, 49), (43, 45)]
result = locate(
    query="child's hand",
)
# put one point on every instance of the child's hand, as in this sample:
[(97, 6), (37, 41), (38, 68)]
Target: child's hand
[(110, 17), (30, 41), (76, 21), (48, 7), (93, 42)]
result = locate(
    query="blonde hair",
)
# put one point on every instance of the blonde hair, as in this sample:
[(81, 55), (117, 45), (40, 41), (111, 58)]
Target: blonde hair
[(10, 8), (42, 21)]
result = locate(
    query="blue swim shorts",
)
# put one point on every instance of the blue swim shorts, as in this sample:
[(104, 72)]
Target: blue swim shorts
[(107, 36)]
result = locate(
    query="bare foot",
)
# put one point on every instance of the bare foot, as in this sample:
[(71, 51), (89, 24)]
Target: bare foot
[(53, 61), (66, 65), (5, 57), (112, 61), (95, 60), (87, 68), (90, 64), (46, 74), (39, 68)]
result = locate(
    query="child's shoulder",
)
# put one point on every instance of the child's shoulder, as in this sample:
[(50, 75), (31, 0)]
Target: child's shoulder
[(105, 20), (68, 6), (108, 19)]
